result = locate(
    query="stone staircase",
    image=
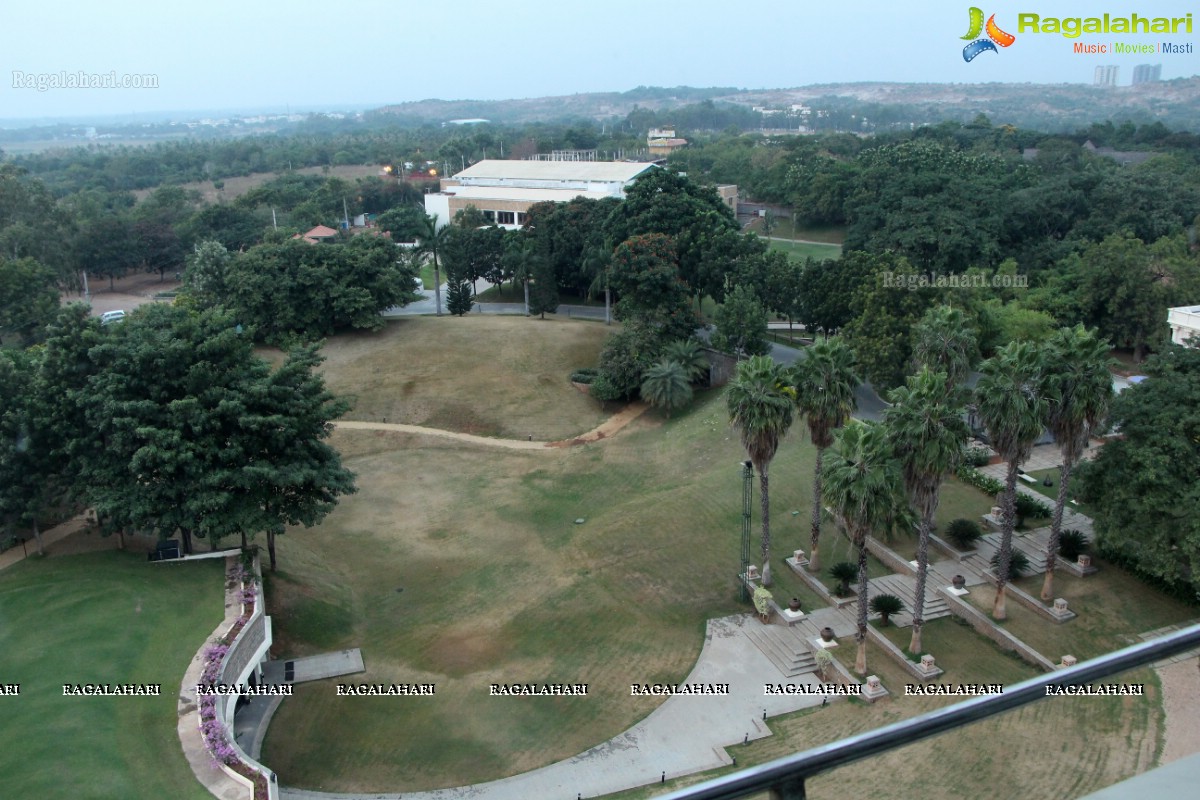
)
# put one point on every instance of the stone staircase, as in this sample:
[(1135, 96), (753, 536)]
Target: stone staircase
[(905, 587), (784, 645), (1032, 546)]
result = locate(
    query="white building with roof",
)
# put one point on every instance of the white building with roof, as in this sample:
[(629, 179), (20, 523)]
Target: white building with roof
[(1184, 322), (504, 190)]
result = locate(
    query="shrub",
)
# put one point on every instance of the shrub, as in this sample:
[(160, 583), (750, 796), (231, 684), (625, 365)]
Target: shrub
[(980, 481), (843, 572), (1071, 543), (604, 390), (974, 457), (762, 600), (1028, 506), (585, 375), (885, 605), (1018, 564), (963, 533)]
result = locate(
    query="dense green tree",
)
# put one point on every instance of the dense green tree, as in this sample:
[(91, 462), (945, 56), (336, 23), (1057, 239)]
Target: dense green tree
[(542, 287), (887, 308), (458, 298), (761, 402), (28, 298), (1012, 411), (27, 476), (190, 431), (624, 359), (1077, 386), (206, 278), (298, 289), (865, 489), (645, 276), (405, 223), (925, 424), (824, 381), (741, 325), (1144, 485)]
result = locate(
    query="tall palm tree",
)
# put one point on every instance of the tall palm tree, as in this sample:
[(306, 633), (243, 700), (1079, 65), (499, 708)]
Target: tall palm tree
[(689, 355), (1012, 410), (864, 486), (944, 341), (761, 405), (927, 431), (665, 385), (1077, 385), (432, 239), (825, 383)]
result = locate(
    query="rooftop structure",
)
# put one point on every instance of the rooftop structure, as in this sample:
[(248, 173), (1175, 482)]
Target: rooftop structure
[(1184, 322), (504, 190)]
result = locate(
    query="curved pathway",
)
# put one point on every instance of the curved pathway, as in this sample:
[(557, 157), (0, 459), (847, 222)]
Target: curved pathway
[(602, 431), (684, 735)]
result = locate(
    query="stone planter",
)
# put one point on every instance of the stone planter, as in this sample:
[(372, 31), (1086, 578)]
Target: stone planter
[(794, 604), (958, 581), (827, 634)]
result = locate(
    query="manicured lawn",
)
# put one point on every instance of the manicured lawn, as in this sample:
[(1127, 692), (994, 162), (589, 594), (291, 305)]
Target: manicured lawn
[(1051, 492), (802, 250), (107, 617)]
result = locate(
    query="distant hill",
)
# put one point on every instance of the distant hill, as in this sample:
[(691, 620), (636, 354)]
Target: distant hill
[(1175, 103)]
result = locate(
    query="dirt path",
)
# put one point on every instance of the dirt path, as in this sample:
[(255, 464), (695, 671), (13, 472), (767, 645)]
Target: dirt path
[(1181, 702), (602, 431)]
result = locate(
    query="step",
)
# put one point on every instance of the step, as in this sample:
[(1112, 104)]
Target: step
[(783, 646)]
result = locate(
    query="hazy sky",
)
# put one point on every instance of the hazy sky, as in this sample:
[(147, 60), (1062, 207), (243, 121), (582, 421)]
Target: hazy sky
[(268, 53)]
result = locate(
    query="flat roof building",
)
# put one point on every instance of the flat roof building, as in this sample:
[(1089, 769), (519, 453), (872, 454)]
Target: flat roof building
[(504, 190), (1184, 322)]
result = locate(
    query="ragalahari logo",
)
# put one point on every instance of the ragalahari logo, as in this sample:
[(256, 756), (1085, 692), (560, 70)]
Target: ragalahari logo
[(995, 36)]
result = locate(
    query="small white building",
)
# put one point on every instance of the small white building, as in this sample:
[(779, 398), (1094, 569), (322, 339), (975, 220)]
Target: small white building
[(1184, 322)]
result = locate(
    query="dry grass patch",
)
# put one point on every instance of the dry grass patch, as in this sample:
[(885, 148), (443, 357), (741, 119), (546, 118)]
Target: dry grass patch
[(486, 375)]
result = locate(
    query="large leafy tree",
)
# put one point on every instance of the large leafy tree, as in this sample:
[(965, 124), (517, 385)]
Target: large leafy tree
[(927, 431), (761, 404), (1012, 410), (865, 489), (824, 382), (28, 298), (26, 476), (1145, 485), (741, 324), (188, 430), (1077, 386), (645, 276)]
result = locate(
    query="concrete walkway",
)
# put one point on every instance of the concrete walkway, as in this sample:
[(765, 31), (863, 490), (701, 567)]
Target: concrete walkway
[(686, 734), (49, 538)]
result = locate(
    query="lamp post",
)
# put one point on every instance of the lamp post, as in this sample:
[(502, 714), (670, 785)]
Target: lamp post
[(747, 500), (526, 282)]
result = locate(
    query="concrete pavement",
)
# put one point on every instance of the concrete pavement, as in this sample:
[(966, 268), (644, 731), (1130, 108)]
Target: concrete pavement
[(686, 734)]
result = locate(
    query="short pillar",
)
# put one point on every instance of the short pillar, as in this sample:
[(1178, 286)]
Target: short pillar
[(799, 558), (1068, 661), (1060, 605), (1084, 560), (928, 664), (751, 573), (873, 689)]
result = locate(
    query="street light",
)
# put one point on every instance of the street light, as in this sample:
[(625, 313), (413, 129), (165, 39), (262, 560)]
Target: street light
[(747, 501)]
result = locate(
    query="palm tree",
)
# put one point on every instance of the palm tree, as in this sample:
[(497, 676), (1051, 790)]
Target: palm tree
[(761, 406), (689, 355), (1078, 389), (432, 239), (825, 383), (665, 385), (944, 341), (1012, 410), (927, 431), (865, 488)]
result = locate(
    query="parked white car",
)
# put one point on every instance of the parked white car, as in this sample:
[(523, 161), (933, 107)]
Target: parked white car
[(109, 317)]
